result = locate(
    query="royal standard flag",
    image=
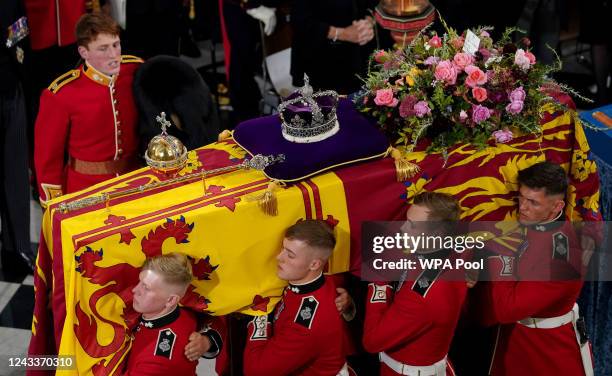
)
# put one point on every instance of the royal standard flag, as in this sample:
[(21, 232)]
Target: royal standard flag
[(89, 258)]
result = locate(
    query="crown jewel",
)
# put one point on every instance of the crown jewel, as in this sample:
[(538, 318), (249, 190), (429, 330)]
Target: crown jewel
[(165, 153), (307, 116)]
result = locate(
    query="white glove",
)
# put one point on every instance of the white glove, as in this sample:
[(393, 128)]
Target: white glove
[(265, 15)]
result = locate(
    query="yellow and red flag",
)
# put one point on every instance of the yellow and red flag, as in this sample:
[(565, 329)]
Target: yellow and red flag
[(89, 258)]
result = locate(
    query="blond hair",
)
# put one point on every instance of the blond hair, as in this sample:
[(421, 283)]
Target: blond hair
[(174, 268), (316, 233)]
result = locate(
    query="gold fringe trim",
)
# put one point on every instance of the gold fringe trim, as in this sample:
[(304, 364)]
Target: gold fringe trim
[(404, 169), (226, 134)]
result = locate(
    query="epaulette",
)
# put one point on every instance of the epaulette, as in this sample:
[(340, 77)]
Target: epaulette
[(63, 80), (125, 59)]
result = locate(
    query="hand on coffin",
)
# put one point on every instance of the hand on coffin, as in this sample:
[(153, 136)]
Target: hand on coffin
[(345, 304), (198, 345)]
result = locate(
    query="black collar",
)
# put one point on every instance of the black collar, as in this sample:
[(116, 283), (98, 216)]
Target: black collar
[(159, 322), (308, 287)]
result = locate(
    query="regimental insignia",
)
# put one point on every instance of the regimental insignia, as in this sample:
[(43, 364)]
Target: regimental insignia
[(125, 59), (165, 343), (560, 246), (260, 328), (379, 293), (62, 80), (426, 279), (307, 311), (507, 266)]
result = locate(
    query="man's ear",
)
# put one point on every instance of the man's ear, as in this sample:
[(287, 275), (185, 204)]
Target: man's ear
[(84, 52), (559, 205), (316, 264), (173, 300)]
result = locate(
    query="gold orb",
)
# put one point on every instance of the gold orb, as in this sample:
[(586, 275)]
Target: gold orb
[(166, 153)]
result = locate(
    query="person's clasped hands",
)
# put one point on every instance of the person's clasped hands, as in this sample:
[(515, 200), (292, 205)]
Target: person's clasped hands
[(360, 31)]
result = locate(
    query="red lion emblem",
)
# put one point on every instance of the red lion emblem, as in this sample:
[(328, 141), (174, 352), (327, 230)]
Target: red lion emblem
[(119, 279)]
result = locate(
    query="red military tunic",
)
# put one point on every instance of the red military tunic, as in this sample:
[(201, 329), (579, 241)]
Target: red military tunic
[(415, 325), (306, 336), (91, 117), (159, 345), (52, 22), (542, 279)]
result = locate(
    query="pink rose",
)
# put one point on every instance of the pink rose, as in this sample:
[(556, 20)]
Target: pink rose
[(435, 42), (531, 57), (476, 77), (445, 71), (479, 93), (463, 115), (421, 108), (517, 95), (406, 107), (484, 33), (384, 97), (380, 56), (462, 60), (521, 59), (457, 43), (480, 114), (514, 107), (503, 135)]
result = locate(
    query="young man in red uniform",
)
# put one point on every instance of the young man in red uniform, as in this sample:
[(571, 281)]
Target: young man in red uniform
[(533, 289), (165, 339), (411, 326), (86, 131), (305, 335)]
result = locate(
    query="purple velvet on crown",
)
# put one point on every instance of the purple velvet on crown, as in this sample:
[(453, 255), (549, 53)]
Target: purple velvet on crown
[(357, 139), (326, 103)]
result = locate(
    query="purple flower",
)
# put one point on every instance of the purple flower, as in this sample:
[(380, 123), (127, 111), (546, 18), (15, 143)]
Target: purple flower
[(515, 107), (431, 60), (498, 97), (503, 135), (480, 114), (517, 95), (485, 53), (406, 107), (421, 108)]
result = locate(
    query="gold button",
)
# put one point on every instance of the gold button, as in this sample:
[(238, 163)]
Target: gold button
[(114, 101), (119, 132), (120, 151), (117, 112)]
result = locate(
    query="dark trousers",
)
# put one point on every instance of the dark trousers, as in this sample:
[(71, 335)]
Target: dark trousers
[(14, 187), (244, 36)]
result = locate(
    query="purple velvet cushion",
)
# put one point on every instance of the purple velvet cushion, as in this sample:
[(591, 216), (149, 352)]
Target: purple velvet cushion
[(357, 140)]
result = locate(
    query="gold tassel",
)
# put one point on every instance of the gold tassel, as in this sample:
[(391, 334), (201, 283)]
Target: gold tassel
[(268, 202), (192, 10), (404, 169), (226, 134)]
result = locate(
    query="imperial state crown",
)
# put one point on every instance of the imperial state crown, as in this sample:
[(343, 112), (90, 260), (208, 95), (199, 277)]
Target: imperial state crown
[(307, 116)]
